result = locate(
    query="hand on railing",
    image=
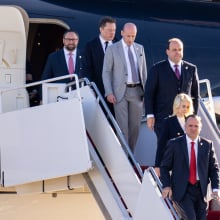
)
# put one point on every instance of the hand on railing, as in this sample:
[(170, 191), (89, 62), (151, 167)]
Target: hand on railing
[(157, 171), (215, 196), (167, 192)]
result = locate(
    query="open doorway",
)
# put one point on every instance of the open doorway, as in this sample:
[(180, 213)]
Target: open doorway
[(44, 37)]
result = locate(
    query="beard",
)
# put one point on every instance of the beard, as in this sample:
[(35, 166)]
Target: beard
[(70, 47)]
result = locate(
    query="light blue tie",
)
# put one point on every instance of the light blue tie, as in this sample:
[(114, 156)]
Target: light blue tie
[(133, 68)]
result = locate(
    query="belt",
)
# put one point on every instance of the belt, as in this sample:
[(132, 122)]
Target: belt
[(197, 184), (133, 85)]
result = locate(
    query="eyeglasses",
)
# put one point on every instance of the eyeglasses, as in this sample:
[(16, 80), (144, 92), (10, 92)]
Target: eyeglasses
[(71, 39)]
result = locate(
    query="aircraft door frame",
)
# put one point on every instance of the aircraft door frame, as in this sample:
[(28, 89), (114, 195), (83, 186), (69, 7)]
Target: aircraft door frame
[(13, 42)]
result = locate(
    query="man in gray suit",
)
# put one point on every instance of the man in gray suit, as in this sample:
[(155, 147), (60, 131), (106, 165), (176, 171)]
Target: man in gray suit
[(124, 75)]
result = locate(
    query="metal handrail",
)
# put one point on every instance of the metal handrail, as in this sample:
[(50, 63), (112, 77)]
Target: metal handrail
[(108, 181), (118, 131), (214, 125), (76, 82), (159, 185), (113, 123), (209, 94)]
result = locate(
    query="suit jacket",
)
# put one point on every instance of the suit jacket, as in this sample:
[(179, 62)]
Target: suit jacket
[(56, 66), (171, 128), (115, 71), (162, 86), (94, 56), (176, 159)]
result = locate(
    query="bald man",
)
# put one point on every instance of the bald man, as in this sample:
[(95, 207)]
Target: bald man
[(124, 75)]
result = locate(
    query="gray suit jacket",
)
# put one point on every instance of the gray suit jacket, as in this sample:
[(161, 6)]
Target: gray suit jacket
[(115, 74)]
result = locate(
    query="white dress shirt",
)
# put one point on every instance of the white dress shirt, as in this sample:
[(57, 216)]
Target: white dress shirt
[(172, 66), (103, 42), (189, 140), (66, 53), (125, 48)]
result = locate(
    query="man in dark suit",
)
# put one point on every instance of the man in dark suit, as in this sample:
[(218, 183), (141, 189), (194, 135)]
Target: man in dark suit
[(165, 81), (58, 62), (95, 51), (185, 179)]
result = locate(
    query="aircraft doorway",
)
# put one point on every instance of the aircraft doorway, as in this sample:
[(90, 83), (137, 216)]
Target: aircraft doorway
[(44, 37)]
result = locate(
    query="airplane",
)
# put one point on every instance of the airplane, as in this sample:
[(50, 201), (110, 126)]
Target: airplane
[(157, 21), (45, 22)]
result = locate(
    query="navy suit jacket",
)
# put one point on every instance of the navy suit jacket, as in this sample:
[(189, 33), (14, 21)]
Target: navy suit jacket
[(176, 159), (94, 57), (162, 86), (171, 128), (56, 66)]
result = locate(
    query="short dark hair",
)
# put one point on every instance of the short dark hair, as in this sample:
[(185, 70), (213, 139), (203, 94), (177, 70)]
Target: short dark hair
[(106, 19), (70, 31), (193, 116)]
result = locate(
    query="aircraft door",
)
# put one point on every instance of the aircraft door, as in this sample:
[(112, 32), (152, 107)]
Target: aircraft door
[(13, 42)]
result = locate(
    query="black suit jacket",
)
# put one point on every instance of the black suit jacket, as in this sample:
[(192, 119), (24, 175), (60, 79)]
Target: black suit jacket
[(176, 159), (171, 128), (56, 66), (94, 57), (162, 86)]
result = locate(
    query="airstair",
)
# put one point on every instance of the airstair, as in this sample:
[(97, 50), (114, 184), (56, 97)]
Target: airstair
[(72, 140)]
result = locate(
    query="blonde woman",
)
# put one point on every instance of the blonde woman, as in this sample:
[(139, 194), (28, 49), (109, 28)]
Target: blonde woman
[(173, 126)]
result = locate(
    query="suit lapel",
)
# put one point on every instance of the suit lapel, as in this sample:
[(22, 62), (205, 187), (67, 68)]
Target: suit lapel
[(121, 54), (78, 61), (185, 150), (138, 53), (63, 61), (99, 47), (170, 70), (185, 75), (176, 125), (201, 151)]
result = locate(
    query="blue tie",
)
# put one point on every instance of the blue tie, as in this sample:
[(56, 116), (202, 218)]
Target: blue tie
[(133, 68), (106, 45)]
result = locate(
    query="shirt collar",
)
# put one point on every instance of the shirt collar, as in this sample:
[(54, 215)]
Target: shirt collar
[(103, 41), (189, 140), (172, 63), (66, 52), (124, 44)]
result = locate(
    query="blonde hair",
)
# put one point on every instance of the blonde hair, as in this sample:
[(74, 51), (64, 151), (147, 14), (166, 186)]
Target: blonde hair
[(180, 98)]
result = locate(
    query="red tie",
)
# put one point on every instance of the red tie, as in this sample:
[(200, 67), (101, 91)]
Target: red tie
[(177, 72), (71, 64), (192, 166)]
